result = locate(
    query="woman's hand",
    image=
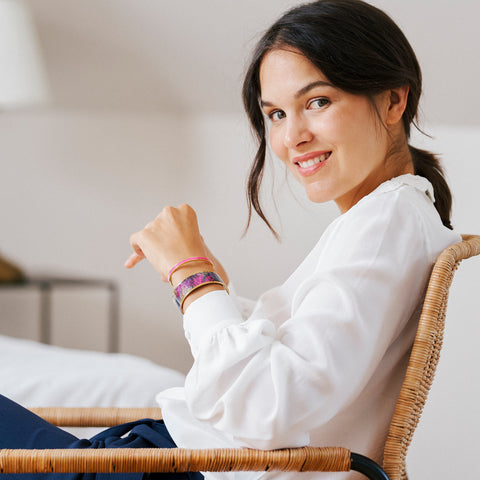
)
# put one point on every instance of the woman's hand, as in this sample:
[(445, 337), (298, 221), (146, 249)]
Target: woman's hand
[(172, 237)]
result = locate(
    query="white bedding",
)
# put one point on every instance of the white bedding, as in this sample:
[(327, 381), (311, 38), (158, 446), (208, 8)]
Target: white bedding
[(38, 375)]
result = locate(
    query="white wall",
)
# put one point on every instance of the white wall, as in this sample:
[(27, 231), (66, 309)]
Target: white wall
[(74, 186), (190, 55)]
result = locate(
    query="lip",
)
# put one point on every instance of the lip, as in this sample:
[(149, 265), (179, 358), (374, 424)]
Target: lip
[(309, 156), (306, 172)]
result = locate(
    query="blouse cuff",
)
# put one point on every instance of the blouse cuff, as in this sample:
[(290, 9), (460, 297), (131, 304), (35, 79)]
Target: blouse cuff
[(209, 313)]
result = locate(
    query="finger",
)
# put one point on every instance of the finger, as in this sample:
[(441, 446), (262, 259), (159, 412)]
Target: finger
[(133, 259)]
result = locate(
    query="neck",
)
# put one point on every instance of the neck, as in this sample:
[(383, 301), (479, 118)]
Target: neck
[(397, 162), (399, 158)]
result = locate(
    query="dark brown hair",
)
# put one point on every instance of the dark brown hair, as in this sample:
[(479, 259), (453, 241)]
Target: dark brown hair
[(360, 50)]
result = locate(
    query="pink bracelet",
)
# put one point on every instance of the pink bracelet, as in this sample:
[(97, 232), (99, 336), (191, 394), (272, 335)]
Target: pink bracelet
[(183, 262)]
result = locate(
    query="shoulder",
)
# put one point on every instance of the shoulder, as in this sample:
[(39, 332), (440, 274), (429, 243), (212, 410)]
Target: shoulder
[(404, 207), (389, 221), (389, 206), (404, 196)]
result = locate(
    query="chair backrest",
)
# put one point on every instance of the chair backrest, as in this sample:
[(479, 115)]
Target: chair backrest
[(424, 356)]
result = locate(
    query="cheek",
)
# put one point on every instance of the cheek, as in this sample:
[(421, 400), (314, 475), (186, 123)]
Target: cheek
[(276, 144), (359, 139)]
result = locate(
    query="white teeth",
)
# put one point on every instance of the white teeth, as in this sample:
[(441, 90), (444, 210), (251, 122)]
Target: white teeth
[(313, 161)]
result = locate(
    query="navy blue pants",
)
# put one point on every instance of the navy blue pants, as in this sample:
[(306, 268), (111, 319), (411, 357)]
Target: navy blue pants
[(20, 428)]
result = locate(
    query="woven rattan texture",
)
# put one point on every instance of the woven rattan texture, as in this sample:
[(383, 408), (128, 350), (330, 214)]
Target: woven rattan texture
[(173, 460), (424, 356), (95, 417)]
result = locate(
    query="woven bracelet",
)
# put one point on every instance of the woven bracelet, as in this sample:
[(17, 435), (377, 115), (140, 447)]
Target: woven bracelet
[(191, 283)]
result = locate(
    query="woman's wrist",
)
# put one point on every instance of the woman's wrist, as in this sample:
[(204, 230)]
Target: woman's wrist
[(189, 269), (198, 268)]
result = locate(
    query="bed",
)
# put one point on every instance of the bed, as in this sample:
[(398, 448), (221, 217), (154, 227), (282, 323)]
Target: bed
[(36, 375)]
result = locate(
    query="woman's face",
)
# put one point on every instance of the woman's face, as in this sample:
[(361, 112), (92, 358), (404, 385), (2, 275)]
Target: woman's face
[(331, 140)]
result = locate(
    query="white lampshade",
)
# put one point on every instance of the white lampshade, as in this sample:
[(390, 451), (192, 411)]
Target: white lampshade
[(23, 80)]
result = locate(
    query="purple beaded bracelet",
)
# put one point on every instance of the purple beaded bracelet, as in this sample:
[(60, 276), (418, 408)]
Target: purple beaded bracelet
[(193, 282)]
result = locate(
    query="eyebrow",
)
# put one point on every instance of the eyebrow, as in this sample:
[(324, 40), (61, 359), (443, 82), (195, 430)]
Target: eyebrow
[(302, 91)]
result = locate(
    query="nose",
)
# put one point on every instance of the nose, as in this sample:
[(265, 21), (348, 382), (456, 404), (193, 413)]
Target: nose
[(296, 132)]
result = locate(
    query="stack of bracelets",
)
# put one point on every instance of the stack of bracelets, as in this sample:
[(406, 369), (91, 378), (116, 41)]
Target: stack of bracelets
[(193, 282)]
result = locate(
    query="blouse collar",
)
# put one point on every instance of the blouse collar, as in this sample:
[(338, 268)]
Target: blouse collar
[(421, 183)]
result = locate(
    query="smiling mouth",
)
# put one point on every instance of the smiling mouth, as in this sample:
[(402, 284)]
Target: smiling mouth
[(314, 161)]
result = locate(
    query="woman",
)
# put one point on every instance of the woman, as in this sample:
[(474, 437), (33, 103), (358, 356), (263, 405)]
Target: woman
[(318, 360)]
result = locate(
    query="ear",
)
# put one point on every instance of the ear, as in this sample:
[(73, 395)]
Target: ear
[(397, 103)]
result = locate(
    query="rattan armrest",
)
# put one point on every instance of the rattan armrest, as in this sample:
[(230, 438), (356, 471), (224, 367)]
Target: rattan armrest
[(95, 417), (172, 459), (328, 459)]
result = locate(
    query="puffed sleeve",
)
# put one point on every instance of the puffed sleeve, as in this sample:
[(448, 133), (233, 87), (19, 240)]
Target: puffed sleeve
[(268, 384)]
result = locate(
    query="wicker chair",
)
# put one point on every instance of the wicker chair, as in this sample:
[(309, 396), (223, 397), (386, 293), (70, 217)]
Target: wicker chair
[(423, 361)]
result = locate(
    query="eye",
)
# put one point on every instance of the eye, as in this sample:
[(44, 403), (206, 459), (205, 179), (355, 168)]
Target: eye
[(318, 103), (276, 115)]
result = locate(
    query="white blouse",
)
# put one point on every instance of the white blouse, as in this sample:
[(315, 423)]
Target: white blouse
[(318, 360)]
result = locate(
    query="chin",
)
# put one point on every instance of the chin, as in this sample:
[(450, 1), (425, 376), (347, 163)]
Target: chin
[(318, 197), (317, 194)]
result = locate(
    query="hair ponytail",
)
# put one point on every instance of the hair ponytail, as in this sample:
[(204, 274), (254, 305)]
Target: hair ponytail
[(427, 165)]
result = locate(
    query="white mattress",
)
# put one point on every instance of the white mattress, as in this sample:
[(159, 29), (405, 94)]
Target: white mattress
[(38, 375)]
